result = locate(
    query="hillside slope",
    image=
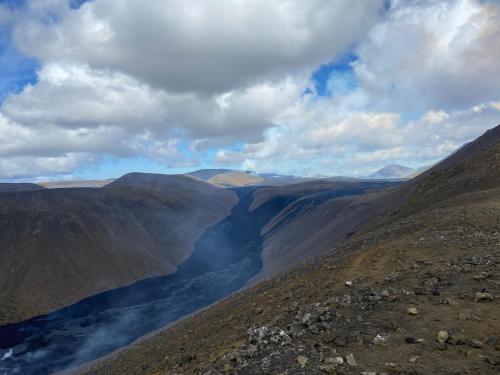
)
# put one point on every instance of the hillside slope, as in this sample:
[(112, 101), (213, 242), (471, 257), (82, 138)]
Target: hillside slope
[(318, 216), (414, 292), (206, 174), (6, 187), (235, 179), (61, 245)]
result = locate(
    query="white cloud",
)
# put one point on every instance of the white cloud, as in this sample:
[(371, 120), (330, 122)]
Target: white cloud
[(135, 78), (202, 46), (432, 55), (155, 78), (28, 166), (49, 141), (74, 95), (322, 141)]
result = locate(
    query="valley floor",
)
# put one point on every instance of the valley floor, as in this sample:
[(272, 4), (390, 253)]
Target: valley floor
[(417, 295)]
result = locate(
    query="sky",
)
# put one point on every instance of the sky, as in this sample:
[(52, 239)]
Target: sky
[(95, 89)]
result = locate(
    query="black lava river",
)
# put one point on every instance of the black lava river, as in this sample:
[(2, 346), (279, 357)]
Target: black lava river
[(226, 256)]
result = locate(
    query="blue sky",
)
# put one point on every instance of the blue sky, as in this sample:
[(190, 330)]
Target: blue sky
[(340, 68), (323, 88), (17, 69)]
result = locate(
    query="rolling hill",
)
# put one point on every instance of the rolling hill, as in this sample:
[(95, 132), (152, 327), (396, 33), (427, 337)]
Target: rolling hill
[(235, 179)]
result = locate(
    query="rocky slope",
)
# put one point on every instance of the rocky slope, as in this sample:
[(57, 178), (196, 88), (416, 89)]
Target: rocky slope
[(61, 245), (414, 291)]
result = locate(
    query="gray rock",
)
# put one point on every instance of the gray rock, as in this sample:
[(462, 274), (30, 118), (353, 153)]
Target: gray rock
[(351, 361), (456, 339), (483, 297), (442, 336), (265, 364), (302, 361), (328, 369), (391, 277), (414, 359), (412, 311), (475, 344)]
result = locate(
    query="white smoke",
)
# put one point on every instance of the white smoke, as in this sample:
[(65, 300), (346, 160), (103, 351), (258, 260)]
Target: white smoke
[(6, 355)]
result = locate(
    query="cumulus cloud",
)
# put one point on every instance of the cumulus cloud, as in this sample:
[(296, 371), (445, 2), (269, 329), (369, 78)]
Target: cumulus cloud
[(74, 95), (432, 55), (205, 46), (44, 167), (423, 82), (325, 142), (48, 140), (174, 80)]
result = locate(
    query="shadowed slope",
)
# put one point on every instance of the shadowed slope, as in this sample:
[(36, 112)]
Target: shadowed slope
[(11, 187), (318, 216), (61, 245)]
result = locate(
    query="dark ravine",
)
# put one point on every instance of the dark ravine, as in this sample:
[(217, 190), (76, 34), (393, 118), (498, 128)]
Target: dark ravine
[(226, 257)]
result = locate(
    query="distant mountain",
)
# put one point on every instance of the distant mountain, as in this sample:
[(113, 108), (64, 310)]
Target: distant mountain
[(75, 184), (393, 171), (207, 174), (273, 179), (11, 187), (235, 178)]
